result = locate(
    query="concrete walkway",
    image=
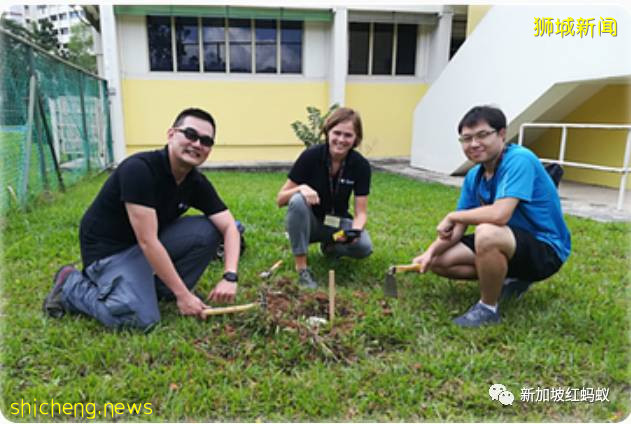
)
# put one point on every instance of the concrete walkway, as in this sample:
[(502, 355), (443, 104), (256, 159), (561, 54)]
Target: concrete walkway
[(583, 200)]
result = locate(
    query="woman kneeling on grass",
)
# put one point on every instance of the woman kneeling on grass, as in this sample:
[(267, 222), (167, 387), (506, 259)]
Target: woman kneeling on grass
[(317, 193)]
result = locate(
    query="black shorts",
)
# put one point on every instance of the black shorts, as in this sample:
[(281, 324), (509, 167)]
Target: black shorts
[(533, 260)]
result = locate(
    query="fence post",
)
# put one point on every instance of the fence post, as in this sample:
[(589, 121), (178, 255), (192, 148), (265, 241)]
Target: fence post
[(108, 124), (563, 143), (42, 158), (625, 171), (49, 138), (84, 124), (100, 117), (23, 191)]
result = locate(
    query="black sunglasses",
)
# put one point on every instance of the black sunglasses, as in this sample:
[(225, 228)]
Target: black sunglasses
[(192, 135)]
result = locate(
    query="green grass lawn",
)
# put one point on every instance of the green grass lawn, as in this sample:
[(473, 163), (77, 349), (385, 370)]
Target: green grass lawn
[(394, 360)]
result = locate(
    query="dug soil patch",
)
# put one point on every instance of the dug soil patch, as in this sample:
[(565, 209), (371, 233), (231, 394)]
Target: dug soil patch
[(285, 328)]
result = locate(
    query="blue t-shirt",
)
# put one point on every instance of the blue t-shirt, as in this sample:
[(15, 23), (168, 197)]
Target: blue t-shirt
[(521, 175)]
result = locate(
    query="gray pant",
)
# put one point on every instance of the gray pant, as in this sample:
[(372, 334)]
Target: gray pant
[(303, 228), (122, 291)]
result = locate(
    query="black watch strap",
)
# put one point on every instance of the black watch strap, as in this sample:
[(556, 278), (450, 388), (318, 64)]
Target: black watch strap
[(231, 276)]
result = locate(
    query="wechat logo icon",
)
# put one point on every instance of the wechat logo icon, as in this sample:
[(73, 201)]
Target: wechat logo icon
[(498, 392)]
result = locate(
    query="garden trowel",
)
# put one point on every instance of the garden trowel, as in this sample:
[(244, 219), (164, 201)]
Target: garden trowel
[(268, 273), (390, 283)]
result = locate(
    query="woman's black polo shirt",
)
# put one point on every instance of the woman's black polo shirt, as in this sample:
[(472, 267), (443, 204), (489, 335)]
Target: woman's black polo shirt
[(312, 168), (144, 179)]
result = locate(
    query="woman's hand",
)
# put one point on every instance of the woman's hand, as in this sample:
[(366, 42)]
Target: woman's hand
[(310, 195)]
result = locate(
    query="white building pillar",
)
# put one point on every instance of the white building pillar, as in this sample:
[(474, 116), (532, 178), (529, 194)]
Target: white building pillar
[(111, 71), (439, 45), (339, 57), (97, 48)]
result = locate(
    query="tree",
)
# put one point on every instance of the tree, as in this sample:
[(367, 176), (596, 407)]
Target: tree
[(45, 37), (15, 28), (80, 47)]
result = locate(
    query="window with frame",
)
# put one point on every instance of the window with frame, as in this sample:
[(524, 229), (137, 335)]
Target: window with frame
[(240, 41), (187, 44), (225, 45), (214, 39), (160, 47), (382, 48), (291, 47), (266, 36)]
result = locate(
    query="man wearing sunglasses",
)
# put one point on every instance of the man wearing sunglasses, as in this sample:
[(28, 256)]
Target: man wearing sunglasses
[(520, 235), (136, 248)]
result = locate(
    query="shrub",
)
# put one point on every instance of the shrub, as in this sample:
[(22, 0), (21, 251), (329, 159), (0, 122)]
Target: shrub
[(311, 132)]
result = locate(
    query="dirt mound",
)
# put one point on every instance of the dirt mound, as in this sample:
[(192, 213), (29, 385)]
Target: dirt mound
[(289, 309)]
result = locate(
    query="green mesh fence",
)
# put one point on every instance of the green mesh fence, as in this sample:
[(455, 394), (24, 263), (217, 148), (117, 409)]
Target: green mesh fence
[(54, 123)]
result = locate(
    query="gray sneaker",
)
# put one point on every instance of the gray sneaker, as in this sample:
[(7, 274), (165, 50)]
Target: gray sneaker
[(305, 279), (476, 316), (53, 306)]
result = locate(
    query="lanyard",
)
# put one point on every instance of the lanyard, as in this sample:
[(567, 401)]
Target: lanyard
[(335, 188), (481, 175)]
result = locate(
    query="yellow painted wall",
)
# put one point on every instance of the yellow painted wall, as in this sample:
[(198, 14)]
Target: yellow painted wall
[(611, 105), (474, 14), (253, 118), (386, 110)]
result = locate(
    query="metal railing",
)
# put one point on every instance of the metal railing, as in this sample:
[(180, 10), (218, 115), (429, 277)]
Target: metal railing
[(624, 170)]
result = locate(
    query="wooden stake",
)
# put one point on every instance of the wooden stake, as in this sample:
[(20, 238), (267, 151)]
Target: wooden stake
[(331, 295)]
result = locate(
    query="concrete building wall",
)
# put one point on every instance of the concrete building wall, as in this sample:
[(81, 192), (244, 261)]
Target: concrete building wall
[(475, 13), (503, 62), (252, 117), (387, 111), (254, 111)]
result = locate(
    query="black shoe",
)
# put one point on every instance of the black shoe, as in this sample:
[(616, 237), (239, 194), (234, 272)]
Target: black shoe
[(514, 288), (53, 306)]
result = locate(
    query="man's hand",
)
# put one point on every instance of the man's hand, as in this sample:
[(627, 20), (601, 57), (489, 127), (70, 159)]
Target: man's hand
[(425, 260), (445, 228), (224, 291), (310, 195), (189, 304)]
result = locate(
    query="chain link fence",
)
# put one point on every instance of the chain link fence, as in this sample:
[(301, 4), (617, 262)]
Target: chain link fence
[(54, 122)]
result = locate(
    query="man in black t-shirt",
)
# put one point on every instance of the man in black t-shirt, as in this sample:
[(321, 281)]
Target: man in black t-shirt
[(136, 248)]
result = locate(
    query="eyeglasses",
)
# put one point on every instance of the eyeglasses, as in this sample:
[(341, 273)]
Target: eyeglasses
[(480, 135), (192, 135)]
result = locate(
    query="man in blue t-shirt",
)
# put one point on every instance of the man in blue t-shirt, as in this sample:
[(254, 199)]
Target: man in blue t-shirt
[(520, 235)]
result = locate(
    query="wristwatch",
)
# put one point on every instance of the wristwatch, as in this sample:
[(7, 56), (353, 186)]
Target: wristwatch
[(231, 276)]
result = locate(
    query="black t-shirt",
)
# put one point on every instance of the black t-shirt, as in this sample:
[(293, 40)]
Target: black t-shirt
[(312, 168), (144, 179)]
